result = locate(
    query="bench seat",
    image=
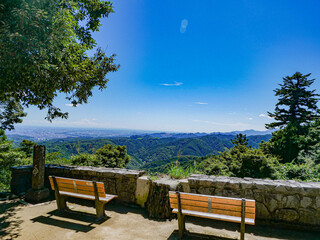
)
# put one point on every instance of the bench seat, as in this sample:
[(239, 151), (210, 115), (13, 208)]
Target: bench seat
[(77, 188), (249, 221), (227, 209), (106, 199)]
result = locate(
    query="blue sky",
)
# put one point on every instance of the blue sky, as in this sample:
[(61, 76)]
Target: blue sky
[(197, 66)]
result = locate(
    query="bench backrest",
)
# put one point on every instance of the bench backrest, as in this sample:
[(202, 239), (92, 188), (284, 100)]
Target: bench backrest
[(213, 204), (84, 187)]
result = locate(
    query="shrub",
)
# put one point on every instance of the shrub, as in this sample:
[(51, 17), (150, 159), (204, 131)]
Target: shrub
[(112, 156), (85, 159), (177, 172), (107, 156), (9, 157), (241, 161)]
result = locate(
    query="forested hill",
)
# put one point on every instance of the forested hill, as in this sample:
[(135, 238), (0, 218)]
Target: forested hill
[(146, 149)]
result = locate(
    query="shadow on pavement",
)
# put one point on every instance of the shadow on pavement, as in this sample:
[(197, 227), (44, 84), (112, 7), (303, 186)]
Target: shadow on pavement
[(196, 236), (255, 230), (9, 223), (70, 220)]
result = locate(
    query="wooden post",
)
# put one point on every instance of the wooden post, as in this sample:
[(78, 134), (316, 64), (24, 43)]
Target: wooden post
[(98, 204), (61, 200), (243, 218), (181, 217)]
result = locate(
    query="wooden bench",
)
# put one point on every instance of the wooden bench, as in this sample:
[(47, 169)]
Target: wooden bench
[(68, 187), (220, 208)]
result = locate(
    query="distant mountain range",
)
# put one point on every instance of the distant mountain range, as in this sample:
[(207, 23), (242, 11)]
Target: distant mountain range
[(151, 151), (47, 133), (250, 132)]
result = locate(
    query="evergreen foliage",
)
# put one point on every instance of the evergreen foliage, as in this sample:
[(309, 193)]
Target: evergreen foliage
[(106, 156), (295, 114), (9, 157), (113, 156), (241, 161), (85, 159), (27, 147), (44, 48), (296, 105), (240, 140), (11, 112)]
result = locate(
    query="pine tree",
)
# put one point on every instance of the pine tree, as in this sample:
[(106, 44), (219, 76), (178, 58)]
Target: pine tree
[(295, 112), (297, 106), (240, 140)]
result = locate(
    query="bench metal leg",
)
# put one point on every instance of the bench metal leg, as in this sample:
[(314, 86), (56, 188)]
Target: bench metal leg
[(60, 199), (181, 224), (62, 203), (100, 206), (181, 217), (100, 209), (243, 216)]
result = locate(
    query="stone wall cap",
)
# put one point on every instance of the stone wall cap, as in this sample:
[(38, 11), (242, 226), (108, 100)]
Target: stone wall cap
[(172, 183), (23, 167), (293, 184)]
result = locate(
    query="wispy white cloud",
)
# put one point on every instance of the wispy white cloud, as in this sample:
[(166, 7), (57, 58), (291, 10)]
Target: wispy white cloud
[(171, 84), (70, 105), (183, 26), (265, 116), (238, 124), (201, 103), (250, 118)]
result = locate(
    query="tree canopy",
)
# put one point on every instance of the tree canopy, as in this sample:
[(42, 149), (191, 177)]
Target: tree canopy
[(44, 50), (296, 105), (106, 156), (296, 113)]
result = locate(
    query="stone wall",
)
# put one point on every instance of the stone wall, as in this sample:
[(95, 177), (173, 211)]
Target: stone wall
[(20, 179), (117, 181), (286, 202)]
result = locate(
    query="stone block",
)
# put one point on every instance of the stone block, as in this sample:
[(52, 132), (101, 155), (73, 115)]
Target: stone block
[(142, 190), (261, 211), (306, 202), (205, 190), (37, 195), (291, 202), (309, 216), (318, 201), (185, 185), (272, 205), (287, 215)]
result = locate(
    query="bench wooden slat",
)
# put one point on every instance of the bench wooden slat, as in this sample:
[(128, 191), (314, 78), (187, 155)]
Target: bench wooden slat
[(215, 216), (215, 211), (80, 189), (76, 181), (78, 186), (186, 203), (215, 199), (107, 198)]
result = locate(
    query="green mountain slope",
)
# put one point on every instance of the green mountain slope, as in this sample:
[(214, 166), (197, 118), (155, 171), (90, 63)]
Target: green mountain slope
[(147, 149)]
